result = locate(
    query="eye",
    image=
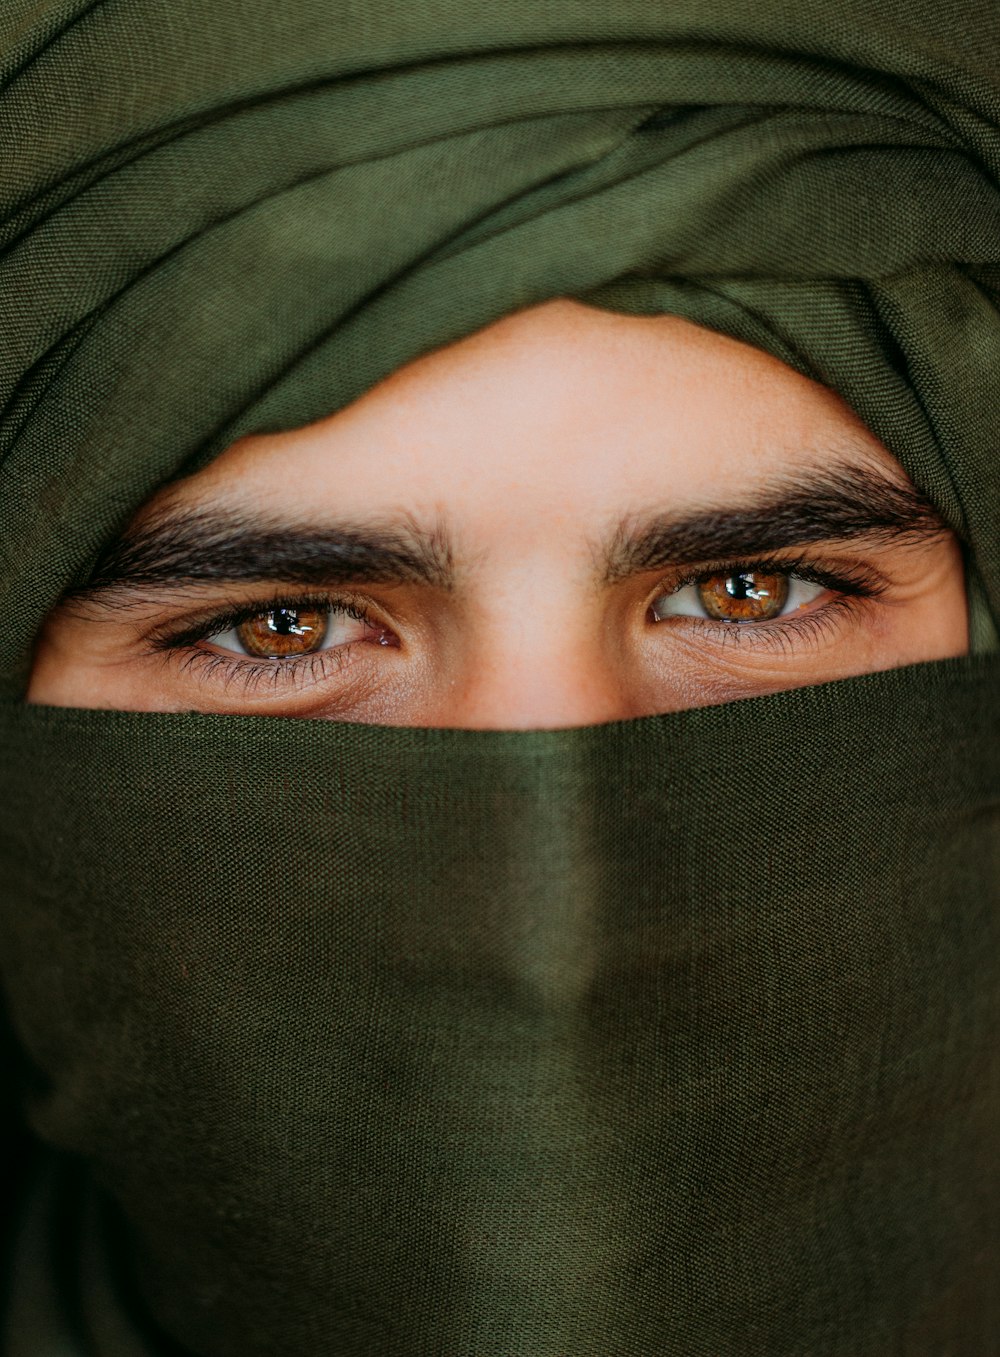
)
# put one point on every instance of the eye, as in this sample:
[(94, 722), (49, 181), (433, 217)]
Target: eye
[(288, 632), (738, 596)]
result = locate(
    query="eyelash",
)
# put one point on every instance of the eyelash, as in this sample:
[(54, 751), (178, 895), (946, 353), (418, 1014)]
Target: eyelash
[(850, 585), (304, 670)]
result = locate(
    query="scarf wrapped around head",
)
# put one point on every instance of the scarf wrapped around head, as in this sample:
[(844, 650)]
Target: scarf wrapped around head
[(513, 1064)]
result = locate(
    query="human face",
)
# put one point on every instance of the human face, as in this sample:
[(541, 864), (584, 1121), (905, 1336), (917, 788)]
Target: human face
[(568, 518)]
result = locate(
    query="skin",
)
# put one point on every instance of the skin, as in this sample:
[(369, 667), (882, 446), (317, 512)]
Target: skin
[(527, 449)]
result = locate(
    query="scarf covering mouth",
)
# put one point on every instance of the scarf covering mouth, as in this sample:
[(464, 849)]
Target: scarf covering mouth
[(672, 1036)]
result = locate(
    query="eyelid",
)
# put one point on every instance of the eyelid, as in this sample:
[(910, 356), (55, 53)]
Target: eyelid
[(786, 635), (673, 604), (856, 578), (851, 586), (300, 672), (221, 618), (228, 668)]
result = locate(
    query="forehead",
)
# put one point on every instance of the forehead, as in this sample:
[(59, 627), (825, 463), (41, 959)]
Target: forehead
[(562, 410)]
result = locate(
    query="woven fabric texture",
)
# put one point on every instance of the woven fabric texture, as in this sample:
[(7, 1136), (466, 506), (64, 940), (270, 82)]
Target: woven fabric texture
[(675, 1036)]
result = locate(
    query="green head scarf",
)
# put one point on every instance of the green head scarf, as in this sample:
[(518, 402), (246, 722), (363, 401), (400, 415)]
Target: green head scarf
[(358, 1040)]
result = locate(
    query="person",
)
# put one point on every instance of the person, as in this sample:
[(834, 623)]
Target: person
[(499, 542), (578, 517)]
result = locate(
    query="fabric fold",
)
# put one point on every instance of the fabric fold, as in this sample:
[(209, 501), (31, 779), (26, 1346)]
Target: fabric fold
[(564, 1041)]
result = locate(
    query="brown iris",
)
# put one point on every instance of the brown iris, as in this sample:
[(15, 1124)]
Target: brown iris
[(284, 632), (743, 596)]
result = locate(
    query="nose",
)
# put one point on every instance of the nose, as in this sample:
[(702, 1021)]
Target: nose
[(540, 667), (531, 697)]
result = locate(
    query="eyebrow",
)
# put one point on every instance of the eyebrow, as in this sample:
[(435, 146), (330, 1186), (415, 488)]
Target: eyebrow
[(223, 545), (840, 503), (215, 544)]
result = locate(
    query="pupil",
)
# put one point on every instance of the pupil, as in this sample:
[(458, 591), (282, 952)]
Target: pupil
[(741, 587), (284, 622)]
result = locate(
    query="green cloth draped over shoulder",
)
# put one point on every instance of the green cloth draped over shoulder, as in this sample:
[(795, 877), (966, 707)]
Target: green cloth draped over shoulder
[(359, 1040)]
